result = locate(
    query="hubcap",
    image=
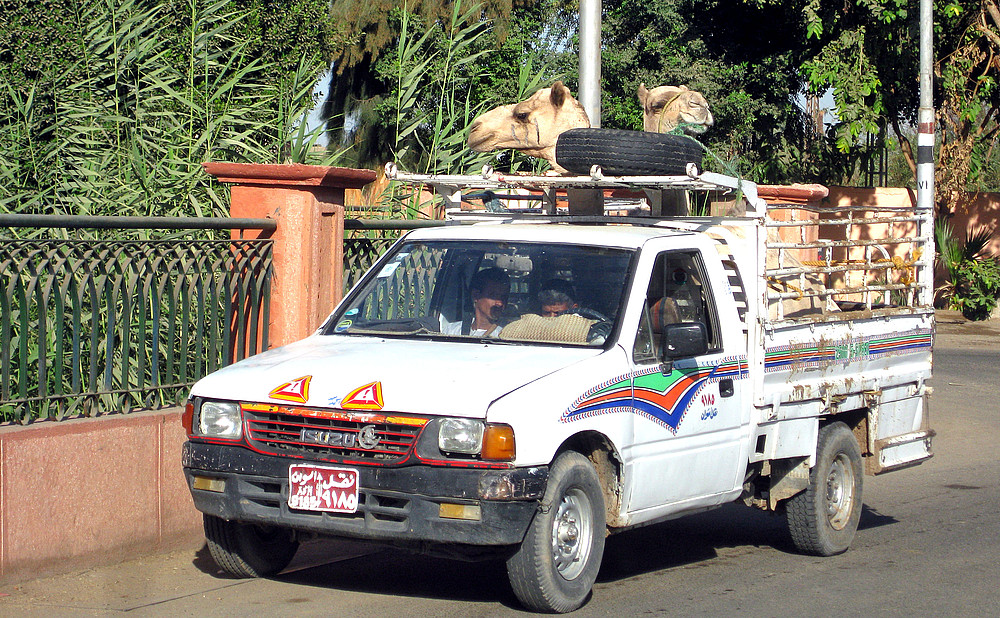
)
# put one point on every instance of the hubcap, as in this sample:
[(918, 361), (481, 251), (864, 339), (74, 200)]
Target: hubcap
[(840, 492), (572, 534)]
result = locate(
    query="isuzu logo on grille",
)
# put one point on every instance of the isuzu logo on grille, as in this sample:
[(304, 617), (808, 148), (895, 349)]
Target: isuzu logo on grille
[(366, 438)]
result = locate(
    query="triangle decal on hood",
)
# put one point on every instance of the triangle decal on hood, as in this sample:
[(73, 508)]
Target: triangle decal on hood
[(367, 397), (297, 390)]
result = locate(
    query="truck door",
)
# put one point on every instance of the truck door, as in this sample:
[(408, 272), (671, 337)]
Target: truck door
[(688, 442)]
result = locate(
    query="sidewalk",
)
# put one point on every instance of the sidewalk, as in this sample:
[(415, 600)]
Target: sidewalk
[(952, 326), (180, 583)]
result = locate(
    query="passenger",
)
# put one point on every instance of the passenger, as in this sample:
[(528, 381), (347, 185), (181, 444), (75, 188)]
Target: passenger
[(556, 298), (489, 289)]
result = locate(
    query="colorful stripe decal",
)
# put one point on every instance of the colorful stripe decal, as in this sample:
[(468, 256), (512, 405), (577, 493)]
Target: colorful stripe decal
[(864, 348), (665, 399), (916, 341)]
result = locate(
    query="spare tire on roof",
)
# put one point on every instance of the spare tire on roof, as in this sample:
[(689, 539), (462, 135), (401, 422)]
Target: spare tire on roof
[(627, 153)]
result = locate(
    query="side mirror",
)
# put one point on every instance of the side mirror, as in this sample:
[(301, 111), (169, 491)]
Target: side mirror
[(684, 340)]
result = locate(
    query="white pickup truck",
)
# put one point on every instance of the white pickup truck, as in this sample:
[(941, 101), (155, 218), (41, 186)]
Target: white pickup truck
[(521, 388)]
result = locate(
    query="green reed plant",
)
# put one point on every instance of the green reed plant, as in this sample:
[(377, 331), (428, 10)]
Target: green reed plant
[(152, 95), (432, 107)]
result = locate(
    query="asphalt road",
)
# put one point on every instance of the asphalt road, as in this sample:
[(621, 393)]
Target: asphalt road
[(928, 545)]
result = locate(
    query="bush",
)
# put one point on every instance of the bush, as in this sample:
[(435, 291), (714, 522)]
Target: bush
[(978, 288)]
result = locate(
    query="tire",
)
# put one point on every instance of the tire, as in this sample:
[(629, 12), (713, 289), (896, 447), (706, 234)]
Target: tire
[(627, 153), (249, 550), (824, 517), (556, 565)]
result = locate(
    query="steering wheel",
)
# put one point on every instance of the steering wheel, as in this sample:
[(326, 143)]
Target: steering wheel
[(590, 314)]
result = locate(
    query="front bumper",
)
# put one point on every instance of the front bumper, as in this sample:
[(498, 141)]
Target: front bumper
[(395, 504)]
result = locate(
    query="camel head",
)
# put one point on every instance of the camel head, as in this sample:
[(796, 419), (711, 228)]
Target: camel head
[(530, 126), (666, 107)]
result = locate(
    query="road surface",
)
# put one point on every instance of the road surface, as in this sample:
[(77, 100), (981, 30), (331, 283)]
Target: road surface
[(928, 545)]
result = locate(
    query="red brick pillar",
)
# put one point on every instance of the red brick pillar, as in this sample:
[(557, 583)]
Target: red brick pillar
[(308, 203)]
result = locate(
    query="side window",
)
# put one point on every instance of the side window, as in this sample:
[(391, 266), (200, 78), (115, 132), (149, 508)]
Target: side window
[(678, 292)]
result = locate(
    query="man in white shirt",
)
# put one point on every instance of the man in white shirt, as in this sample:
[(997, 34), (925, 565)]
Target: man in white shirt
[(489, 289)]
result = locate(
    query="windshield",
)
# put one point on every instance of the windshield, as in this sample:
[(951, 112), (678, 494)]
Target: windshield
[(501, 291)]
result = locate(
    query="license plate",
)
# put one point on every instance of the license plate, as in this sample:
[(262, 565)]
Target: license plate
[(321, 488)]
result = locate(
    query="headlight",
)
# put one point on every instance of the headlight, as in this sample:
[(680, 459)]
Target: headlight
[(460, 435), (220, 419)]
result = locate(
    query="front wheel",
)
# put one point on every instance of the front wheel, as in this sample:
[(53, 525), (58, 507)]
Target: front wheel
[(249, 550), (823, 518), (556, 565)]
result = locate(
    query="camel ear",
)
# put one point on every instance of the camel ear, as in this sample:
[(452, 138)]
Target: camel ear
[(643, 93), (559, 94)]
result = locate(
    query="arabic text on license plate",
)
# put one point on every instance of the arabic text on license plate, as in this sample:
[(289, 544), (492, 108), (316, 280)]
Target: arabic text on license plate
[(318, 488)]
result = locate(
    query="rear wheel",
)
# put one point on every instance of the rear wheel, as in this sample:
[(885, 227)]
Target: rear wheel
[(824, 518), (556, 565), (249, 550)]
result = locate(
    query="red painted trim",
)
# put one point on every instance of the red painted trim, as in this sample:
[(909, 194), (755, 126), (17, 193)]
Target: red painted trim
[(291, 174), (795, 194)]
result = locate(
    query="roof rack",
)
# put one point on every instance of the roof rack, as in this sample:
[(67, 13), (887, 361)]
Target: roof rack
[(451, 186)]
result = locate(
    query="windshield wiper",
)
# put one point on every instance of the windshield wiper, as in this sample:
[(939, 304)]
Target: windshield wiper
[(405, 326)]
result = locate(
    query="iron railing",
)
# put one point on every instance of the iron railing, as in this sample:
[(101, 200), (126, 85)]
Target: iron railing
[(367, 239), (93, 327)]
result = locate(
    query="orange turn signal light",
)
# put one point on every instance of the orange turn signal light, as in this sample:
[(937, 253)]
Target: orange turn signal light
[(498, 443), (187, 418)]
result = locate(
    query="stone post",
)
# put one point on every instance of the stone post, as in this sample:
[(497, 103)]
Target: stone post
[(308, 256)]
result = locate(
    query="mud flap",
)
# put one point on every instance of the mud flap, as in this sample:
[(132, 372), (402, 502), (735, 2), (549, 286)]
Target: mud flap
[(898, 434)]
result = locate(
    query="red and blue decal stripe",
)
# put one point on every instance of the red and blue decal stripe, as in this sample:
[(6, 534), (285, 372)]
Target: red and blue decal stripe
[(666, 401), (802, 356), (917, 341), (663, 399)]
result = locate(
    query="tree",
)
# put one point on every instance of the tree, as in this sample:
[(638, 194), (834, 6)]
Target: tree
[(969, 102), (867, 52), (744, 56), (471, 51)]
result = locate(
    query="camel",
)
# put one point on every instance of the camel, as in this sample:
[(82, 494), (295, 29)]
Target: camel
[(530, 126), (664, 108)]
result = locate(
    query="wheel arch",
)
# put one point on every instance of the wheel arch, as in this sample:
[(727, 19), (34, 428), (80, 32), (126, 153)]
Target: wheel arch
[(607, 461), (857, 421)]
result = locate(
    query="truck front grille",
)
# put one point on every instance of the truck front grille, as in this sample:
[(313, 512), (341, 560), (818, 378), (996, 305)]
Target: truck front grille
[(331, 435)]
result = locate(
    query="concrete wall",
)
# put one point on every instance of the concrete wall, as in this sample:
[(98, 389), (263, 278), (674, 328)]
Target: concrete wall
[(82, 492), (975, 212), (979, 210), (308, 202)]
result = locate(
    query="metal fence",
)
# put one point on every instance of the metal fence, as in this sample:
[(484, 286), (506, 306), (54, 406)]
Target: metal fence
[(367, 239), (825, 262), (92, 327)]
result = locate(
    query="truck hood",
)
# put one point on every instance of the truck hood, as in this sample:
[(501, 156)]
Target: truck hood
[(402, 376)]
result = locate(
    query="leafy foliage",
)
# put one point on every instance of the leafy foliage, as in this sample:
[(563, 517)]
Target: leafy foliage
[(978, 288), (973, 273), (140, 95), (969, 110), (745, 57), (464, 52), (366, 29), (868, 54)]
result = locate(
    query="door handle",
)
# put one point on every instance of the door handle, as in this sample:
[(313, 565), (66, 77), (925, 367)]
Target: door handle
[(726, 387)]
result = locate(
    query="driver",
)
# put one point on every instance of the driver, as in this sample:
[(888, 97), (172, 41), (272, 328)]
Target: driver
[(489, 289)]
